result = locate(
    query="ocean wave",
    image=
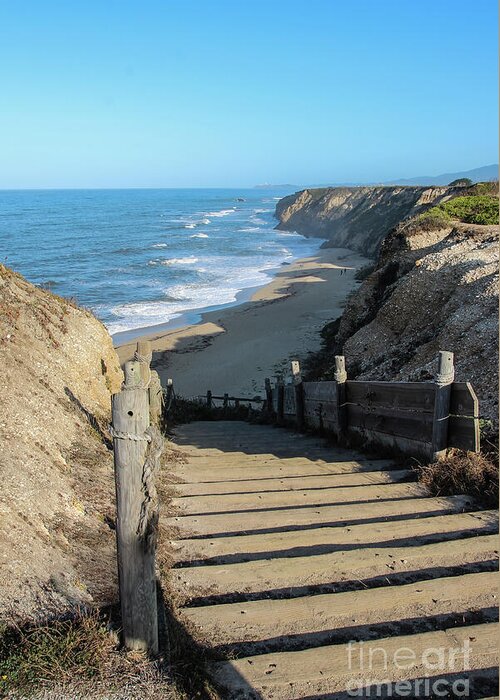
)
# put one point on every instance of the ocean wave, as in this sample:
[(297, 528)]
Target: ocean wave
[(261, 211), (222, 212), (160, 245), (191, 260), (190, 226), (205, 221), (250, 229), (199, 235)]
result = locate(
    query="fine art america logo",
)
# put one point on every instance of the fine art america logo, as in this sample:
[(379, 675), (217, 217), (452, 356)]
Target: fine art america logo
[(429, 670)]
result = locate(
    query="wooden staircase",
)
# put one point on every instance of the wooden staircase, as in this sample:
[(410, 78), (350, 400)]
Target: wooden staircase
[(305, 570)]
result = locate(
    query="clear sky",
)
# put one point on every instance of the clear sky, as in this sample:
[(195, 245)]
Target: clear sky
[(179, 93)]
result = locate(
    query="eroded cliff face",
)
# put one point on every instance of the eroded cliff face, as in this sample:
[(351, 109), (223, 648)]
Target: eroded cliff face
[(59, 369), (429, 291), (355, 217)]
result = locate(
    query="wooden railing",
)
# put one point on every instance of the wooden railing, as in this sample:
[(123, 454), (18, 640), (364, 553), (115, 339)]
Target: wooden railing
[(414, 418), (228, 400)]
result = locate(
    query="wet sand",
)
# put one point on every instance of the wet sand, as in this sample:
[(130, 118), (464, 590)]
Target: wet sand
[(233, 350)]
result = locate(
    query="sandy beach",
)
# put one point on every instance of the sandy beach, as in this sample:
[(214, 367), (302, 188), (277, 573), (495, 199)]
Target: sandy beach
[(233, 350)]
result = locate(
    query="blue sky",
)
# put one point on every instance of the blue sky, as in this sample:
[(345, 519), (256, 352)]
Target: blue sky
[(114, 93)]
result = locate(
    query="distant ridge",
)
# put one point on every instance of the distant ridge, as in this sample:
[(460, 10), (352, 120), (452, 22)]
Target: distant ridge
[(483, 174)]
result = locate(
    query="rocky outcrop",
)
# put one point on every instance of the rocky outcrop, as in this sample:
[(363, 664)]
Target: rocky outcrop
[(58, 371), (430, 290), (358, 218)]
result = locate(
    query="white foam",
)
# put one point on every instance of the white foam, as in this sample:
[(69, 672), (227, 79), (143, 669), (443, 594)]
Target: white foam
[(222, 212), (180, 261), (160, 245), (250, 229), (190, 226), (199, 235)]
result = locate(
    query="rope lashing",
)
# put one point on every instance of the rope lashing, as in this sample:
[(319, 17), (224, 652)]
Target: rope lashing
[(147, 528), (445, 379), (171, 398)]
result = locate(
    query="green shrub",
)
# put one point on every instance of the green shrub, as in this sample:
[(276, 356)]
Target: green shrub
[(432, 219), (475, 209), (482, 188)]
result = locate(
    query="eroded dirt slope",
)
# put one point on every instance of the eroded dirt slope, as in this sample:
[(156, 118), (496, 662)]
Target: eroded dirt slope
[(56, 500)]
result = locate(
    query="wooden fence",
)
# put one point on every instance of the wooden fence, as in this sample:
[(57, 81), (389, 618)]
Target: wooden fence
[(415, 418), (226, 400), (137, 444)]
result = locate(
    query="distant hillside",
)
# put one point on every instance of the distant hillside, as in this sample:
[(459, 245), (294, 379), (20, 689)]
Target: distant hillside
[(483, 174)]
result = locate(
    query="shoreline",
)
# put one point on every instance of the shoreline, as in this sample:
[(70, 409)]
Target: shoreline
[(234, 349), (192, 317)]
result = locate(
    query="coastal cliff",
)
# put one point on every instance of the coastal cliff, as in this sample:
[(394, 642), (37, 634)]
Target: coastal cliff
[(355, 217), (58, 371), (433, 286)]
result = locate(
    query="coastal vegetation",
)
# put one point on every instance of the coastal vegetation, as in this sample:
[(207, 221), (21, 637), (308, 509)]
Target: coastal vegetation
[(479, 205)]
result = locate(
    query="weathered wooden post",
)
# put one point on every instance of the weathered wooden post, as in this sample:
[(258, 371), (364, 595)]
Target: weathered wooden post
[(136, 508), (226, 401), (444, 380), (155, 398), (143, 355), (340, 376), (209, 399), (269, 396), (299, 394), (280, 411), (236, 403)]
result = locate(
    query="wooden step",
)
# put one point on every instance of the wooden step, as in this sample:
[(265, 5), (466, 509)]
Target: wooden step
[(192, 525), (293, 542), (231, 470), (261, 620), (271, 483), (241, 503), (301, 572), (325, 670)]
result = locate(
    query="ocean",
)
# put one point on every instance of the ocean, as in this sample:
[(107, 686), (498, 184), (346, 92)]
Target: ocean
[(140, 258)]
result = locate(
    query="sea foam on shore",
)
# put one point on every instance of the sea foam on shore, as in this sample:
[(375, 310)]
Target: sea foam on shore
[(139, 258)]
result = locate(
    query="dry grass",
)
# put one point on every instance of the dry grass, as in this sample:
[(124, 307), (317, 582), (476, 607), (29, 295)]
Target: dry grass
[(464, 472), (77, 655), (62, 649)]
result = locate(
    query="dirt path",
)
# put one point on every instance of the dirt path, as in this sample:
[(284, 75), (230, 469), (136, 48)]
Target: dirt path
[(304, 568)]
